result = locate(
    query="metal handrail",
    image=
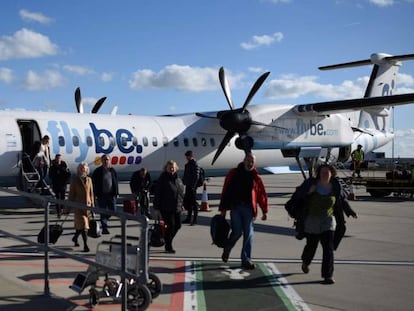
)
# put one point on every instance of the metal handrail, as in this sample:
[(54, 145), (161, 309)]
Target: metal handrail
[(46, 248)]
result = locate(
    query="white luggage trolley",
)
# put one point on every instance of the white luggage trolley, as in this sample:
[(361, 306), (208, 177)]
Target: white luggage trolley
[(109, 253)]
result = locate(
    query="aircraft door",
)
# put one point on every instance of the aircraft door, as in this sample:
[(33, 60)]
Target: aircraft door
[(10, 150)]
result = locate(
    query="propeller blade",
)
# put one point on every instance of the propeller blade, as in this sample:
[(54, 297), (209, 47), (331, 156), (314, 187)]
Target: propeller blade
[(225, 86), (268, 125), (224, 142), (98, 105), (201, 115), (78, 99), (255, 88)]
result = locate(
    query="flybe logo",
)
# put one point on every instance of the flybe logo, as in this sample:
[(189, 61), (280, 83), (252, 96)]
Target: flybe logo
[(313, 129), (81, 142)]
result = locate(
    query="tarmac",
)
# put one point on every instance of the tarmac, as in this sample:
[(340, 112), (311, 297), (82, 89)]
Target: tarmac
[(374, 265)]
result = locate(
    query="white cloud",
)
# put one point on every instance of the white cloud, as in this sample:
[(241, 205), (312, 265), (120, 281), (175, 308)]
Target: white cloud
[(382, 3), (34, 17), (403, 144), (6, 75), (106, 77), (258, 41), (291, 86), (78, 70), (182, 78), (39, 82), (26, 44)]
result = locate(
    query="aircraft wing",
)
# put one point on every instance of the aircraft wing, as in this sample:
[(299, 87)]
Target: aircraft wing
[(355, 104)]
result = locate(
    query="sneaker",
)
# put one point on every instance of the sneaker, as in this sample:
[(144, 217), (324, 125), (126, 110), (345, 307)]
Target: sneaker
[(305, 268), (248, 265), (74, 240), (86, 249), (329, 281), (225, 257)]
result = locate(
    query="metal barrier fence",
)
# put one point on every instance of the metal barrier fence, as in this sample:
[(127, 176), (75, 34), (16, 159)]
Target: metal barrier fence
[(45, 200)]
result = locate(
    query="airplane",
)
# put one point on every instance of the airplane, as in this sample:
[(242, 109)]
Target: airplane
[(279, 135)]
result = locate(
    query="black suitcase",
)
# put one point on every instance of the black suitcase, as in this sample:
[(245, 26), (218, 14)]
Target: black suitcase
[(55, 231)]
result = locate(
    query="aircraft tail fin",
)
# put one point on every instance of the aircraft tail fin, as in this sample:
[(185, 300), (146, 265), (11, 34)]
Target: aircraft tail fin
[(382, 82)]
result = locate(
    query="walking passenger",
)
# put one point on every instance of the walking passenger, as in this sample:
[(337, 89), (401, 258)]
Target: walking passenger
[(105, 185), (243, 190), (60, 176), (140, 184), (191, 172), (322, 202), (81, 191), (168, 201)]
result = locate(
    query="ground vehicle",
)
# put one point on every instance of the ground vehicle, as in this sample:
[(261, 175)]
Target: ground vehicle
[(397, 182)]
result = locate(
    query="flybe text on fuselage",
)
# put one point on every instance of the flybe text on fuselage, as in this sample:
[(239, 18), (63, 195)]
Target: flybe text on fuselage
[(69, 141)]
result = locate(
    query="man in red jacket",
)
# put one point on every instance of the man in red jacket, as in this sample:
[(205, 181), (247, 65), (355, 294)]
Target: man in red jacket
[(243, 189)]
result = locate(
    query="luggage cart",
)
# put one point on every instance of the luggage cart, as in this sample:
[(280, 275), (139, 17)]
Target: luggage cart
[(140, 290)]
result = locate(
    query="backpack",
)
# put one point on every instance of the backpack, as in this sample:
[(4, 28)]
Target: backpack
[(201, 177), (219, 230)]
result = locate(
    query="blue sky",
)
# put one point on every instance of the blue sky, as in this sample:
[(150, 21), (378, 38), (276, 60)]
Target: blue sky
[(162, 57)]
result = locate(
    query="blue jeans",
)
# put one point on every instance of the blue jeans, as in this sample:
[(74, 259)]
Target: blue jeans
[(106, 201), (241, 218)]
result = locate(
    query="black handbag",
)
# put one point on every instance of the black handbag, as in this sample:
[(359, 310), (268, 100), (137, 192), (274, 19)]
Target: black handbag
[(95, 230)]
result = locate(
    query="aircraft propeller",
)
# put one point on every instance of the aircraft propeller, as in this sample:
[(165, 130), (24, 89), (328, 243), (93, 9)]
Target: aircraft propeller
[(236, 120), (79, 106)]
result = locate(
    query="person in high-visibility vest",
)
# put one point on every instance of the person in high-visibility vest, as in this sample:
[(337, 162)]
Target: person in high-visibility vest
[(357, 159)]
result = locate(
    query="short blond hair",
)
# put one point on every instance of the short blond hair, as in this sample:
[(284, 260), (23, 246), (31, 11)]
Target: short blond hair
[(170, 162), (83, 164)]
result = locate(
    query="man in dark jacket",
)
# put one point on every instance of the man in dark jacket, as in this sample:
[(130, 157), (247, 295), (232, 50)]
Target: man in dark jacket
[(140, 186), (105, 187), (59, 175), (191, 174)]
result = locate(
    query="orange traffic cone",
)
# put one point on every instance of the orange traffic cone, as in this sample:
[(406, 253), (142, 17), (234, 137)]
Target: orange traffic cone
[(351, 195), (204, 200)]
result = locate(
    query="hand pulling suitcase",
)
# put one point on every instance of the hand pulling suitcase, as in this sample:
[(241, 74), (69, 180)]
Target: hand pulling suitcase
[(130, 206)]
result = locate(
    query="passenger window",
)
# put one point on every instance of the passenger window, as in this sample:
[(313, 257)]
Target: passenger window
[(186, 142), (212, 142), (61, 140), (195, 142), (101, 141), (154, 141), (176, 142), (75, 141), (89, 141), (112, 141), (134, 141), (123, 141), (145, 141), (203, 142), (165, 141)]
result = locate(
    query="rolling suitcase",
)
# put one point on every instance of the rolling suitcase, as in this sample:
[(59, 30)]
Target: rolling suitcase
[(55, 231), (130, 206)]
